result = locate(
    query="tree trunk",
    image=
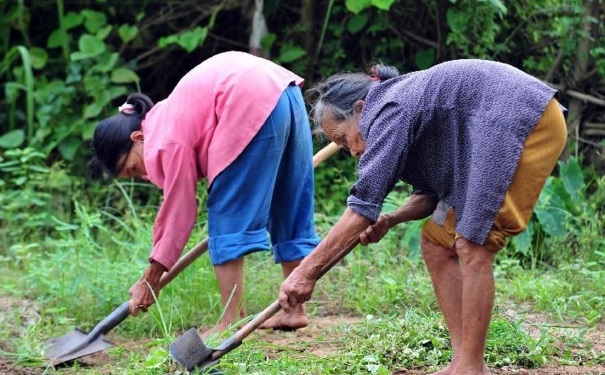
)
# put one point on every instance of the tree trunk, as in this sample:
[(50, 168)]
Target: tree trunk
[(258, 30), (576, 106), (306, 19)]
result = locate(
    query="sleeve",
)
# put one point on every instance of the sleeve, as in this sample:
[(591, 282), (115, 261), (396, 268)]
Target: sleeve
[(178, 212), (387, 143)]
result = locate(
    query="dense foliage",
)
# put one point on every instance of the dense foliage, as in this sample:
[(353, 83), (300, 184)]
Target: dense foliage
[(75, 245), (67, 65)]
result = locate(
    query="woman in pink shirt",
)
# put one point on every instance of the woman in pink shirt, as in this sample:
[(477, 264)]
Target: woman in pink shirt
[(239, 121)]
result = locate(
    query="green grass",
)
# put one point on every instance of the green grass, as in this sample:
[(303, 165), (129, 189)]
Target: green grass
[(403, 328), (82, 272)]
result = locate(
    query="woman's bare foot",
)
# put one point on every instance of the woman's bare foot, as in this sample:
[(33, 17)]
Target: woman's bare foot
[(452, 370), (288, 322), (446, 371)]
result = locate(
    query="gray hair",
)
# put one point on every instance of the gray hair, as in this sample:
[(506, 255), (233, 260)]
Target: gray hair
[(337, 94)]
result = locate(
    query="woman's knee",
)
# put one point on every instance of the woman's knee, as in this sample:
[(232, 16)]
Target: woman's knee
[(432, 252), (471, 253)]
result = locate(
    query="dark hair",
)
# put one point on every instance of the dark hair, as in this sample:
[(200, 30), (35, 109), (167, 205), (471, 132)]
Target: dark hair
[(111, 139), (338, 93)]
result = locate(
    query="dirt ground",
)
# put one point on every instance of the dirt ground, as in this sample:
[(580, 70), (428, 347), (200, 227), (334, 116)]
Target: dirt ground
[(318, 327)]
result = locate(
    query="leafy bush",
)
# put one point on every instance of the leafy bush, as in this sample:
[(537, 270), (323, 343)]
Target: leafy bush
[(567, 223), (30, 194)]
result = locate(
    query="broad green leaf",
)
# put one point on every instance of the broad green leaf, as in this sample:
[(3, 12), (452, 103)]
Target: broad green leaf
[(424, 59), (411, 238), (127, 32), (38, 57), (167, 40), (106, 62), (383, 4), (551, 211), (88, 130), (103, 32), (8, 164), (77, 56), (498, 6), (68, 147), (267, 41), (190, 40), (455, 20), (12, 139), (124, 75), (20, 180), (92, 110), (94, 83), (117, 91), (357, 6), (522, 242), (56, 38), (72, 20), (357, 23), (289, 53), (94, 20), (38, 168), (572, 177), (102, 98), (90, 45), (552, 221)]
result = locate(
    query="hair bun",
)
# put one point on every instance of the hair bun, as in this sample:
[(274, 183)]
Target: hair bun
[(142, 104), (383, 72)]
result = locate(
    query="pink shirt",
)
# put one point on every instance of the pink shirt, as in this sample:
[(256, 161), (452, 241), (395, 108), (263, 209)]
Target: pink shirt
[(205, 123)]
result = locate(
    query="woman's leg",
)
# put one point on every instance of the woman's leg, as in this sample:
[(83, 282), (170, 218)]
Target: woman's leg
[(239, 202), (476, 265), (230, 278), (292, 208), (462, 279)]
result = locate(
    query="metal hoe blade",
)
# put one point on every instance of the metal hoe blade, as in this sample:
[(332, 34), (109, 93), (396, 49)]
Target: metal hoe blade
[(189, 351), (69, 347)]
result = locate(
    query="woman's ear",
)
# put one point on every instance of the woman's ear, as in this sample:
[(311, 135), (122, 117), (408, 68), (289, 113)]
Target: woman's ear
[(137, 136)]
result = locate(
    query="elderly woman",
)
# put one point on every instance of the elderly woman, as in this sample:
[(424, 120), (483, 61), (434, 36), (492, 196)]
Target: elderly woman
[(476, 140), (240, 122)]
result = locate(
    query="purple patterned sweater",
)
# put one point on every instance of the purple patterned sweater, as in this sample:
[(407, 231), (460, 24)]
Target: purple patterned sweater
[(455, 130)]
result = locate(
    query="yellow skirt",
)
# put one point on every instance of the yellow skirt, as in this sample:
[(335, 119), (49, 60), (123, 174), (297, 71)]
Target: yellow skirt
[(540, 155)]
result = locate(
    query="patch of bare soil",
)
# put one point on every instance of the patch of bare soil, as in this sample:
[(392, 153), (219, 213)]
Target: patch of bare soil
[(15, 315), (318, 335), (8, 368)]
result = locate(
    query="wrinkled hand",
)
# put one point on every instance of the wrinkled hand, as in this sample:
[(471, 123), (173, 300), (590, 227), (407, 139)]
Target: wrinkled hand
[(375, 232), (296, 289), (141, 295)]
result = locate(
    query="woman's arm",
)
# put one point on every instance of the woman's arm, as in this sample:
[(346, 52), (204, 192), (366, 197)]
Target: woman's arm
[(417, 207), (173, 224), (299, 286)]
